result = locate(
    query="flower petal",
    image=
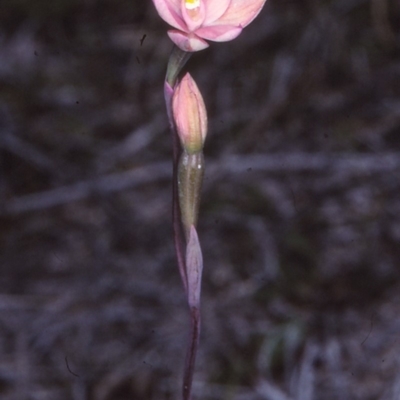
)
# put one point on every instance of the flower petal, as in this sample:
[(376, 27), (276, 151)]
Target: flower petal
[(219, 33), (187, 42), (215, 9), (170, 12), (241, 12), (193, 13)]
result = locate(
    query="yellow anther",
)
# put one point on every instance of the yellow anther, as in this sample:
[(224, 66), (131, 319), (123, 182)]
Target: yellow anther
[(192, 4)]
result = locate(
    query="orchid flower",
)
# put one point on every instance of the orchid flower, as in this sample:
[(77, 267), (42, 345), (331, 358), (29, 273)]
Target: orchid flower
[(196, 21)]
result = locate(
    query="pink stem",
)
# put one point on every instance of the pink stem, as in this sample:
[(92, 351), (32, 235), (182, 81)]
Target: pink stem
[(176, 212), (191, 352)]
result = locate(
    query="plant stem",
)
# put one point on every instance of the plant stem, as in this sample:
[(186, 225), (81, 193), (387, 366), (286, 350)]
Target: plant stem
[(191, 353), (190, 261), (176, 62)]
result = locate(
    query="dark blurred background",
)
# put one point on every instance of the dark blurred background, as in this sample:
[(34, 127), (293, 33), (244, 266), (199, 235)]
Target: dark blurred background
[(300, 220)]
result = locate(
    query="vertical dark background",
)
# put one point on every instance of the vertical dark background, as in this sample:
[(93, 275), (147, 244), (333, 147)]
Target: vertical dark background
[(300, 221)]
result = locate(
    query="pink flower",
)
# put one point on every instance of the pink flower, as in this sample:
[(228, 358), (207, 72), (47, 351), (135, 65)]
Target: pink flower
[(199, 20), (190, 114)]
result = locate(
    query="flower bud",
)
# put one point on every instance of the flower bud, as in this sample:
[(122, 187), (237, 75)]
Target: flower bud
[(190, 115)]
